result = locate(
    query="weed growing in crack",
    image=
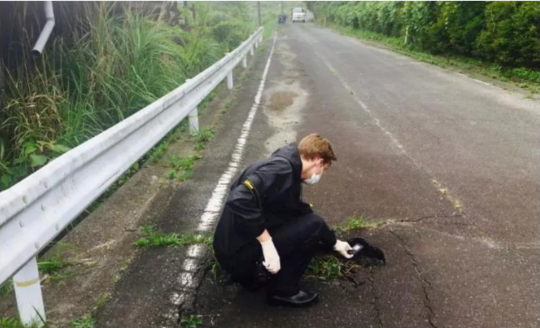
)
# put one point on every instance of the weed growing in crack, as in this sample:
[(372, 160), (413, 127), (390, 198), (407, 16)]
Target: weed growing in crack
[(121, 271), (203, 137), (53, 265), (100, 301), (86, 321), (182, 168), (156, 153), (156, 238), (354, 223), (191, 321), (215, 268), (325, 268), (329, 267)]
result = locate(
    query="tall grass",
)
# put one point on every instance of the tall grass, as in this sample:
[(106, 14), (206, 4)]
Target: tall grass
[(110, 66)]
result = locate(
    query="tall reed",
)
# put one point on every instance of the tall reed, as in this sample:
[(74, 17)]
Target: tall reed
[(108, 67)]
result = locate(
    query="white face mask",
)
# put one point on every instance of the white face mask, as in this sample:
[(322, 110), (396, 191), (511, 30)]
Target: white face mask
[(314, 179)]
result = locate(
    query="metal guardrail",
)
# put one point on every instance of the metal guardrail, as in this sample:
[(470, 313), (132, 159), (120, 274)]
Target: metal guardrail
[(37, 209)]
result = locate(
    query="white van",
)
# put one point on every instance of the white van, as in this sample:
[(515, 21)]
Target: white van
[(298, 15)]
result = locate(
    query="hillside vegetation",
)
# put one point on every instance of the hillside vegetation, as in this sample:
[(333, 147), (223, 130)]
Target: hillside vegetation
[(110, 65), (503, 36)]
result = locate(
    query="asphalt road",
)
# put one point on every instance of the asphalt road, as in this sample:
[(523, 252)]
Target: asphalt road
[(448, 164)]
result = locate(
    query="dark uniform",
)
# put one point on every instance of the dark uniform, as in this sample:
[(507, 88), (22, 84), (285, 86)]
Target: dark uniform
[(267, 195)]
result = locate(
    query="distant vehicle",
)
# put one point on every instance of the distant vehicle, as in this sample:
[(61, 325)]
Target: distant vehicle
[(298, 15), (282, 18)]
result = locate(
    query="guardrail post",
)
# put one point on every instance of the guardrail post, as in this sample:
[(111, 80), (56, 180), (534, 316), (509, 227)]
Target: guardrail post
[(28, 293), (230, 83), (256, 44), (251, 50), (244, 62), (194, 121)]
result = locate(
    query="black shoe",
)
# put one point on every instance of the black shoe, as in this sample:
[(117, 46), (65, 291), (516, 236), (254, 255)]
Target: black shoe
[(301, 299)]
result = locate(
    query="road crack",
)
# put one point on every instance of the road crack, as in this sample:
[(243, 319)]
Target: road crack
[(375, 299), (430, 217), (436, 218), (424, 282)]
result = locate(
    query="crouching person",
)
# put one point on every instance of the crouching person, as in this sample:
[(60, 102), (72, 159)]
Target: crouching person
[(265, 225)]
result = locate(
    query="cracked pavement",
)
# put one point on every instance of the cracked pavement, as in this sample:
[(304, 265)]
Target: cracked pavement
[(455, 194), (459, 226)]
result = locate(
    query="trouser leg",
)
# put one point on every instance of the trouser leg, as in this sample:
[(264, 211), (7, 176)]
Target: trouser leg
[(296, 243)]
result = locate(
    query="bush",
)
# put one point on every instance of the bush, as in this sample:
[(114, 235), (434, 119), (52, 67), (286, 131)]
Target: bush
[(504, 33), (512, 34), (109, 66)]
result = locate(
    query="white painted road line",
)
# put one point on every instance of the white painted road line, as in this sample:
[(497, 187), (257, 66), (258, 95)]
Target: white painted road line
[(484, 83), (215, 204), (188, 279)]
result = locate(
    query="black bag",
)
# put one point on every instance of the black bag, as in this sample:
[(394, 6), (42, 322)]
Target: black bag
[(368, 255)]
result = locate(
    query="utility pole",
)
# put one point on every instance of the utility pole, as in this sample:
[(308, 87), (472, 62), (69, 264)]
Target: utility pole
[(259, 12)]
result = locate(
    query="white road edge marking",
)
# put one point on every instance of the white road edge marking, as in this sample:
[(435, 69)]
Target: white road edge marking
[(476, 80), (187, 279), (484, 83), (215, 204)]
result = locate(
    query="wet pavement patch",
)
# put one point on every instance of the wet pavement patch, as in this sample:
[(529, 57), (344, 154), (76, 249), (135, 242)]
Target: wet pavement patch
[(281, 100)]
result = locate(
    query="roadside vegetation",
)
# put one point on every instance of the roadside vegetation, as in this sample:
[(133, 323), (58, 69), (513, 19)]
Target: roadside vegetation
[(355, 222), (191, 321), (108, 67), (153, 237), (89, 319), (332, 266), (500, 40)]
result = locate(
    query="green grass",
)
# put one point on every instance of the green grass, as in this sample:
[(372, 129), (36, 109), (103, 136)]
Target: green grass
[(191, 321), (88, 82), (354, 223), (325, 268), (181, 163), (6, 288), (9, 322), (86, 321), (215, 268), (100, 301), (156, 153), (522, 77), (181, 167), (269, 27), (155, 238), (330, 267), (203, 137), (52, 265)]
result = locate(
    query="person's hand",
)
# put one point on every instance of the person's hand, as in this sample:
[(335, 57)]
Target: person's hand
[(343, 248), (271, 257)]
